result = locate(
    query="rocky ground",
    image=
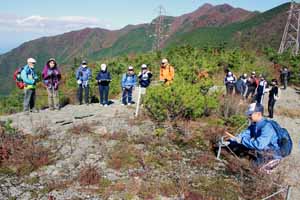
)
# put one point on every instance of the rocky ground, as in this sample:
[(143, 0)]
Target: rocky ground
[(129, 158), (288, 109)]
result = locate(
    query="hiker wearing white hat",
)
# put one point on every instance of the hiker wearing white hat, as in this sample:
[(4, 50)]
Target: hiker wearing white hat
[(229, 82), (144, 76), (30, 78), (103, 78)]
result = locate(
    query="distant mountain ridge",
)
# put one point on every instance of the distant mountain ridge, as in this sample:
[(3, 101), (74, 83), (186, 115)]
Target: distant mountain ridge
[(207, 23)]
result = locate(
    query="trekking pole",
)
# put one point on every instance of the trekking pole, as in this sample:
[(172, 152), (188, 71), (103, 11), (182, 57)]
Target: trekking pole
[(138, 102), (276, 193), (289, 192)]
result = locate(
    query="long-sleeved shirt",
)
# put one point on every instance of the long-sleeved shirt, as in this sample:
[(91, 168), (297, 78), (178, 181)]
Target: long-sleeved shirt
[(261, 136), (167, 74), (29, 77), (128, 80)]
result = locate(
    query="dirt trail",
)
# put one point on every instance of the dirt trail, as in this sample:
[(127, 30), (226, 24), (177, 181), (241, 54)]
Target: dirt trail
[(288, 109)]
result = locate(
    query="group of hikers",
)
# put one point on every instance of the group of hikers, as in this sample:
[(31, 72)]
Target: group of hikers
[(264, 141), (51, 78), (262, 136), (256, 87)]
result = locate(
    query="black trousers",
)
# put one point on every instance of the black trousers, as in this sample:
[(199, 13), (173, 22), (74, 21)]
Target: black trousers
[(86, 90), (271, 104), (229, 89), (251, 90)]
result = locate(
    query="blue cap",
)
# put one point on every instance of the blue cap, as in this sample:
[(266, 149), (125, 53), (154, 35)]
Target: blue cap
[(254, 107)]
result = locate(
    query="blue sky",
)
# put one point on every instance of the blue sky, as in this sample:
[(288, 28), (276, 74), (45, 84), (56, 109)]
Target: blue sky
[(23, 20)]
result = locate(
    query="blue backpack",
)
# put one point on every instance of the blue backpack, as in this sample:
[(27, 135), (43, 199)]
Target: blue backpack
[(285, 142)]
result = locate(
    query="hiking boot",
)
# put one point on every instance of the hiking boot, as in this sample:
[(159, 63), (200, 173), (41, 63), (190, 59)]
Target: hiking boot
[(34, 110)]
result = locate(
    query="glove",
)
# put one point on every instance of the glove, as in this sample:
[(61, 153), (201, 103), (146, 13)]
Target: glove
[(237, 140), (225, 143), (79, 82)]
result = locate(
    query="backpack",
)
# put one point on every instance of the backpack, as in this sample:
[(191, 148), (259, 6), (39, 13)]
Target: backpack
[(18, 79), (285, 142)]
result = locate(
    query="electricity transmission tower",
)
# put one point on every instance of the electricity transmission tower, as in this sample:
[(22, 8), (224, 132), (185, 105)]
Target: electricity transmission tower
[(160, 29), (291, 36)]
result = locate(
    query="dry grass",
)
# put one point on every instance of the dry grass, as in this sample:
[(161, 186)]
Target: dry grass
[(89, 175), (231, 105), (124, 156), (22, 154), (291, 113)]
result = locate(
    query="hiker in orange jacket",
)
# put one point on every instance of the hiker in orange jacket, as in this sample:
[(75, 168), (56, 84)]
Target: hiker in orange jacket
[(167, 72)]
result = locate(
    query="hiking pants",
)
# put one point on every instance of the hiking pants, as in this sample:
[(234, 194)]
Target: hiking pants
[(29, 99), (53, 100), (229, 89), (259, 98), (285, 83), (103, 91), (257, 158), (127, 94), (251, 90), (86, 90), (271, 104)]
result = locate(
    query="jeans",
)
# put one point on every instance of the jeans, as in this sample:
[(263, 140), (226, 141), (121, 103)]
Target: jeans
[(29, 99), (86, 94), (53, 100), (127, 94), (271, 104), (103, 91)]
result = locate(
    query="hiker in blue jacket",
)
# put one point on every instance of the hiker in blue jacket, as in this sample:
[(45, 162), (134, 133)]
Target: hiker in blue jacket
[(260, 136), (103, 78), (30, 79), (240, 85), (128, 84), (83, 76)]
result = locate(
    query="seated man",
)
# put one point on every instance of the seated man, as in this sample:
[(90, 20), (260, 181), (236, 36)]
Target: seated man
[(260, 137)]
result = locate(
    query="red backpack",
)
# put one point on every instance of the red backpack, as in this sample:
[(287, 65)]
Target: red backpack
[(18, 79)]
